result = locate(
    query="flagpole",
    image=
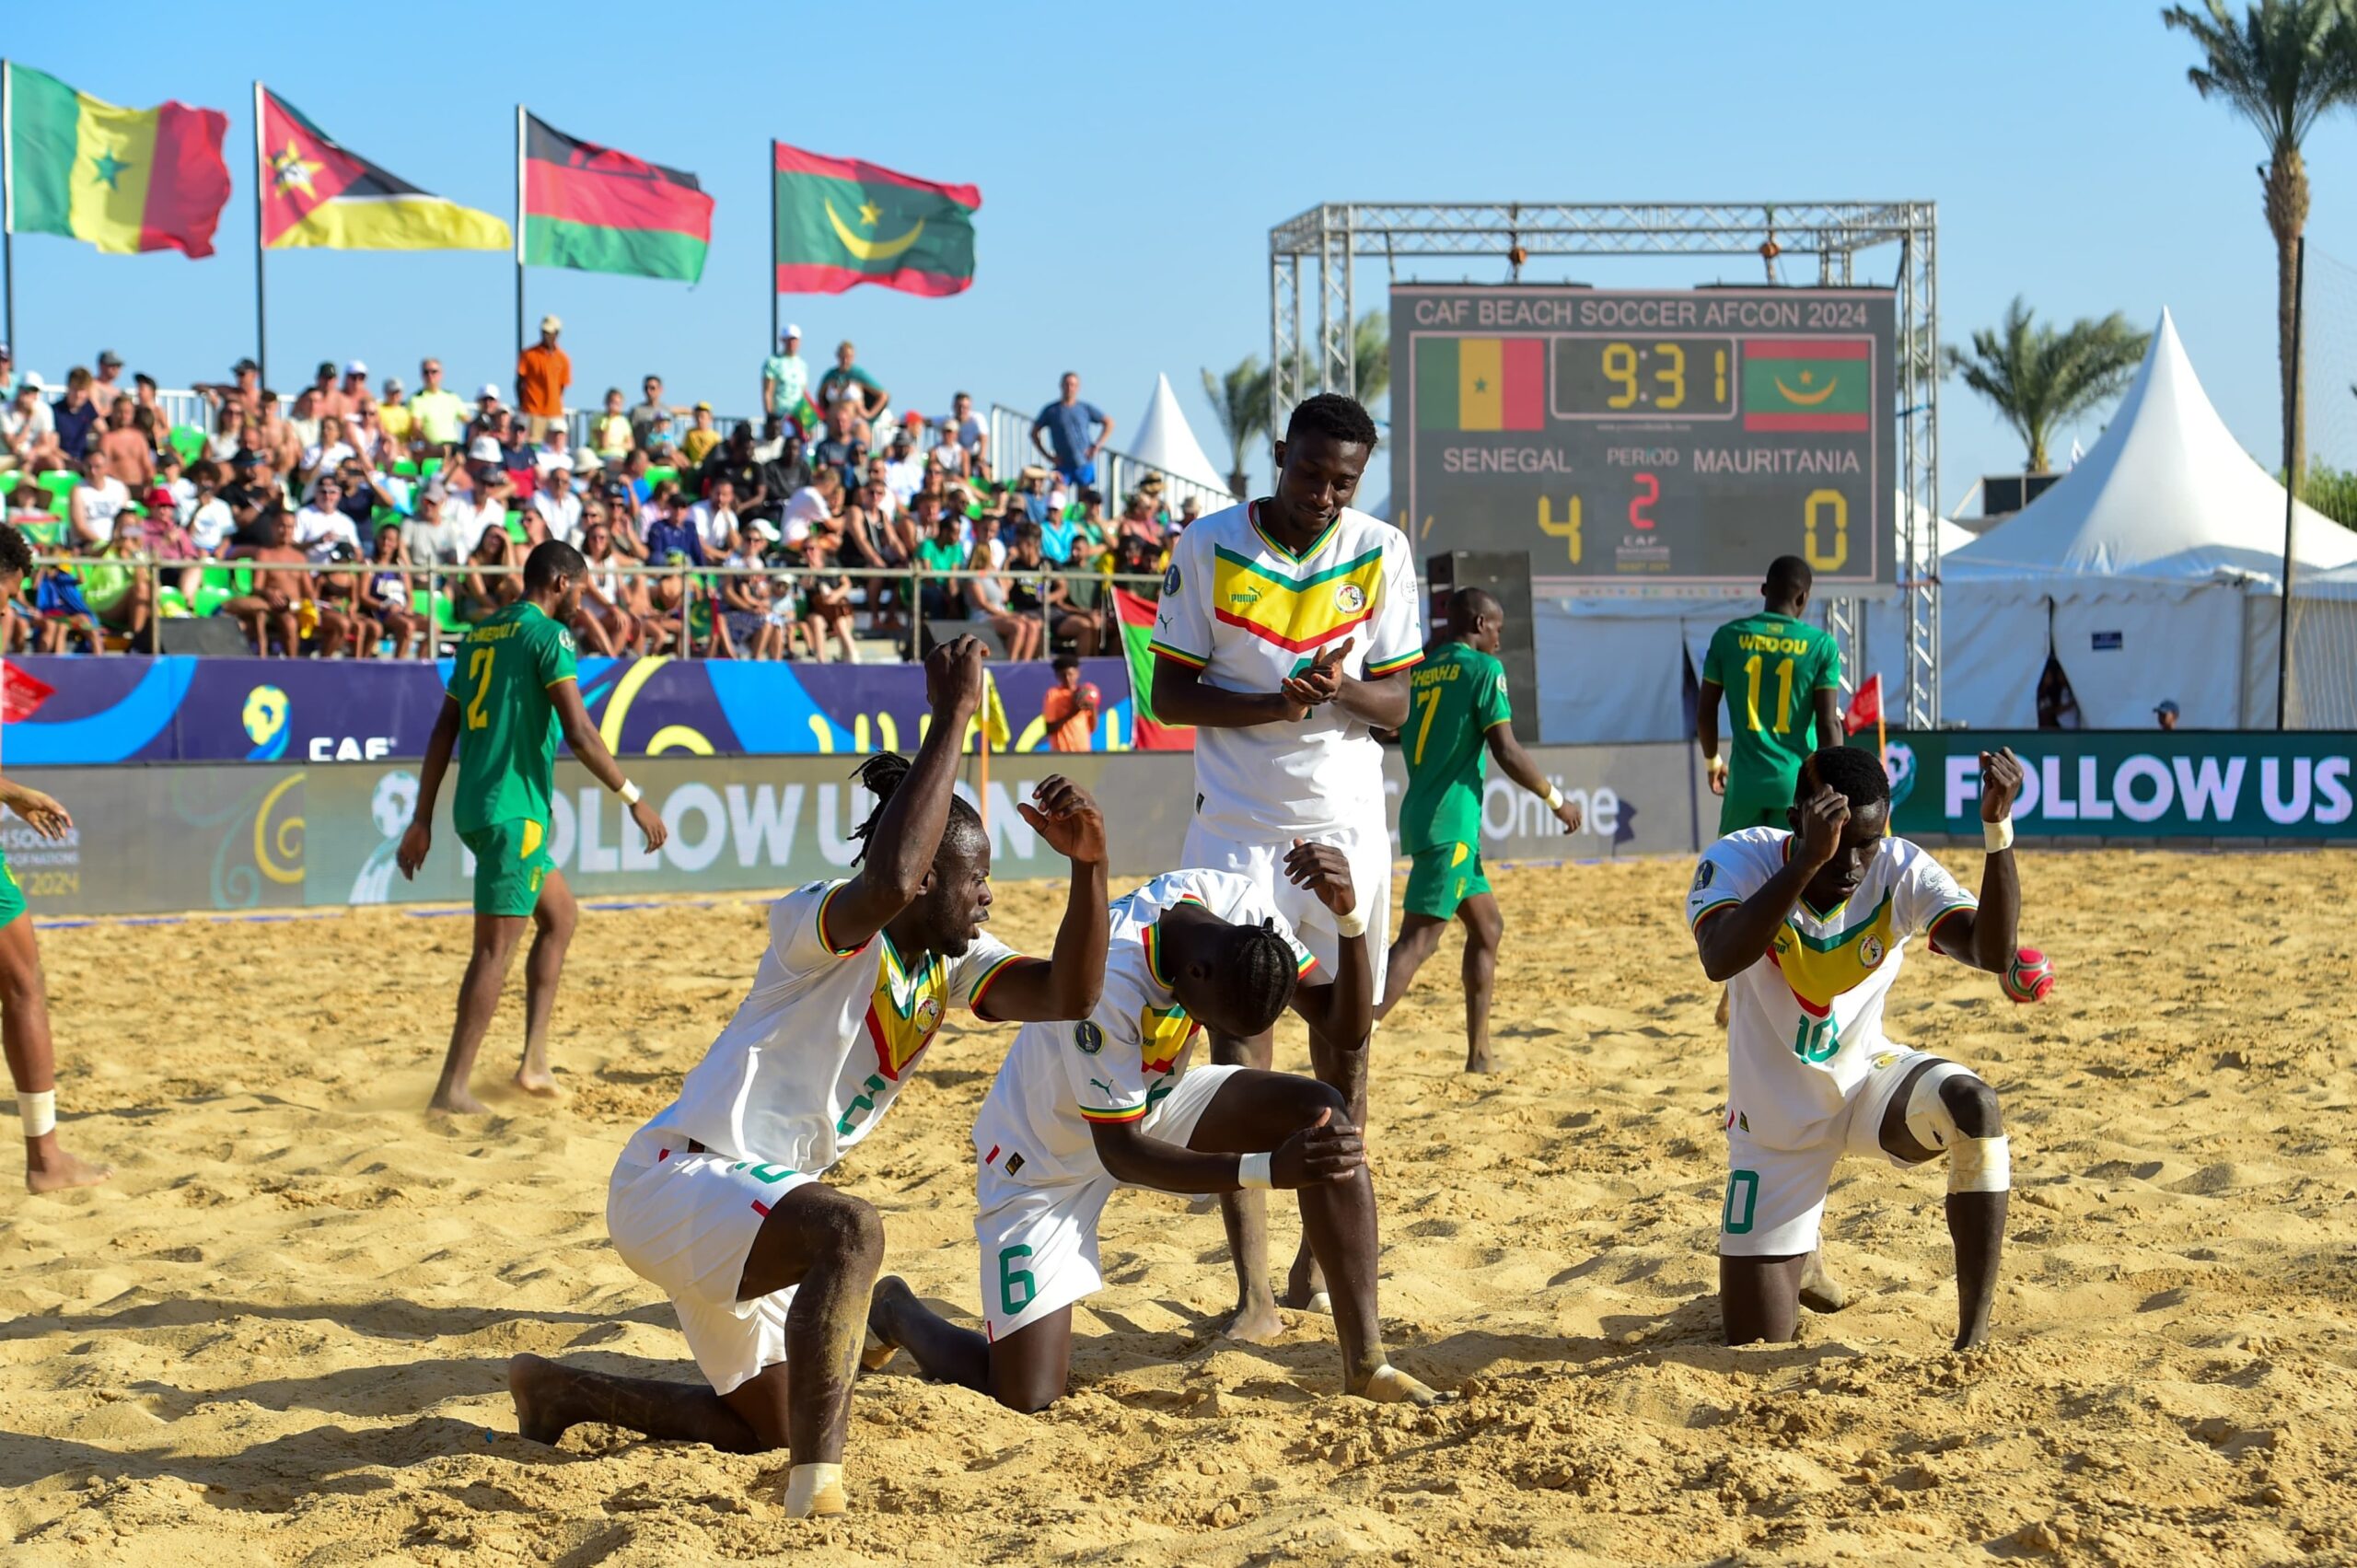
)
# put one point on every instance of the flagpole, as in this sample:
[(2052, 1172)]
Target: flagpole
[(9, 214), (262, 315), (520, 231), (771, 175)]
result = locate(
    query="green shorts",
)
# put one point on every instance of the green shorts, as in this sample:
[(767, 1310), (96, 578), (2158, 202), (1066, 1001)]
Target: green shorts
[(511, 861), (1737, 812), (12, 896), (1441, 878)]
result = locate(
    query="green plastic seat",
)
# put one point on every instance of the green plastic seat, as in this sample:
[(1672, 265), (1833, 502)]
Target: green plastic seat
[(187, 441), (8, 482), (516, 527), (210, 598), (169, 604), (445, 614), (656, 476), (405, 469)]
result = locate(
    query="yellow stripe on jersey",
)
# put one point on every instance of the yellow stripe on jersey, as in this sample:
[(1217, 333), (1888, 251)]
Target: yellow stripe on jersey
[(1819, 968), (1132, 1114), (1298, 614)]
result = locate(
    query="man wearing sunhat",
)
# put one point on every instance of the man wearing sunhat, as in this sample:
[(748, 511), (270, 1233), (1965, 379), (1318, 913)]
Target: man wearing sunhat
[(543, 374)]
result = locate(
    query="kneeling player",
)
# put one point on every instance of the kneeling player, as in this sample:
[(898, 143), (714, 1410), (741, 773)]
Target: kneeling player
[(1082, 1109), (719, 1199), (1808, 928)]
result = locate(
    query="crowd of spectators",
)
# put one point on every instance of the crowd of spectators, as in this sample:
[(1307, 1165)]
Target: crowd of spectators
[(308, 521)]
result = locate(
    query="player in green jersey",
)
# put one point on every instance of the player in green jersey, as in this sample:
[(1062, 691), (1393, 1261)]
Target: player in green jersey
[(1781, 677), (1458, 718), (24, 995), (512, 690)]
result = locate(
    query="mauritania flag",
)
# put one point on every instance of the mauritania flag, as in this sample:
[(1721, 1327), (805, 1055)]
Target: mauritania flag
[(1480, 383), (1812, 383), (841, 222), (599, 210), (125, 180), (316, 194)]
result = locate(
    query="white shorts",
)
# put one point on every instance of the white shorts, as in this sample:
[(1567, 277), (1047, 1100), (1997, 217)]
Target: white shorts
[(1368, 848), (686, 1222), (1038, 1244), (1775, 1197)]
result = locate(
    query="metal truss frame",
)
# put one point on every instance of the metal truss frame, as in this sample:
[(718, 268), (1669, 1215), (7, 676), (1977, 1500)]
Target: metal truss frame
[(1312, 306)]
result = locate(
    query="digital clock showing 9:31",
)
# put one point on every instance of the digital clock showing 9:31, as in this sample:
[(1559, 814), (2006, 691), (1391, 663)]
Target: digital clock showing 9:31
[(1632, 377)]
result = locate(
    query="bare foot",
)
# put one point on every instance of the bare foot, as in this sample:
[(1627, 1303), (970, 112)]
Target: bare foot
[(1972, 1338), (1820, 1292), (538, 1386), (1387, 1385), (892, 1293), (1479, 1061), (540, 1082), (1255, 1323), (455, 1102), (58, 1170), (1305, 1286)]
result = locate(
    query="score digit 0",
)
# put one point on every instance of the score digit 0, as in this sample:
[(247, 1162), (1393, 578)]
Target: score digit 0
[(1832, 501)]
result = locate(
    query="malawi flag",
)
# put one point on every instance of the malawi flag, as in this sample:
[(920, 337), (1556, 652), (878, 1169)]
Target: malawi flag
[(841, 223), (1137, 629), (1812, 383), (316, 194), (125, 180), (1480, 383), (599, 210)]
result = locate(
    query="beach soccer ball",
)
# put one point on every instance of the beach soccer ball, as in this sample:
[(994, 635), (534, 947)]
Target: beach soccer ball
[(1090, 697), (2029, 977)]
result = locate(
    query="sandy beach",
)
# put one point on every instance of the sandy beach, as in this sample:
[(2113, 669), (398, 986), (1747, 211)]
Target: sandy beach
[(279, 1336)]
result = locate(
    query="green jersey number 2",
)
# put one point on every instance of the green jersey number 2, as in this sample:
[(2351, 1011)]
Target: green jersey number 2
[(479, 671)]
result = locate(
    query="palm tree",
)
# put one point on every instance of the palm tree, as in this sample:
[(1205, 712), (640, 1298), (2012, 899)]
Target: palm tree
[(1240, 402), (2281, 67), (1371, 356), (2041, 378)]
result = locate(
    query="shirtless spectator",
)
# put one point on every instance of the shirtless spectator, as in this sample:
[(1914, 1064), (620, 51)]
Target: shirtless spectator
[(286, 595), (241, 391), (129, 446)]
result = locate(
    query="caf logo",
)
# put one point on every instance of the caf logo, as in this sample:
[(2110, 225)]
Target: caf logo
[(1703, 875), (1088, 1037), (1352, 598), (1869, 951), (1170, 579), (928, 1014)]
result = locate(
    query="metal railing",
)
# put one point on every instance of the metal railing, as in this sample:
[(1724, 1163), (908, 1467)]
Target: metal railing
[(674, 625)]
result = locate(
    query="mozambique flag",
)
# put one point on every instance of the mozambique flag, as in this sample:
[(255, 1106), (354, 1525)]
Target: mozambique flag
[(125, 180), (1807, 384), (841, 223), (1480, 384), (316, 194), (597, 210), (1147, 732)]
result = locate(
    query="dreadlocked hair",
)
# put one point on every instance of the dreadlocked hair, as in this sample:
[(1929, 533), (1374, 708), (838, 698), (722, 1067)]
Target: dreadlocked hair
[(1259, 971), (883, 773), (1856, 772)]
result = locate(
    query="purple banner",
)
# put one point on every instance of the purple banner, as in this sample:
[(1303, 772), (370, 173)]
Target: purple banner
[(227, 710)]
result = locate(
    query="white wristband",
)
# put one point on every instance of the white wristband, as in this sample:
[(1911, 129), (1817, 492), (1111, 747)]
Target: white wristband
[(1252, 1172), (1352, 924), (37, 1110), (1554, 798), (1713, 760), (630, 792), (1997, 835)]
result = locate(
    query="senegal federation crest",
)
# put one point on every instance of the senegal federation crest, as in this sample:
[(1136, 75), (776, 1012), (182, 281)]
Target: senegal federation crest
[(1869, 951), (928, 1014), (1351, 599)]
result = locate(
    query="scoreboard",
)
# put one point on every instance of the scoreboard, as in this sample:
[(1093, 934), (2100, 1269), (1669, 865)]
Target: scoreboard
[(1669, 438)]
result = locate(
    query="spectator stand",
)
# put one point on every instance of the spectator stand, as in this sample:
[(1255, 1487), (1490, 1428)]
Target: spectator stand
[(1118, 473)]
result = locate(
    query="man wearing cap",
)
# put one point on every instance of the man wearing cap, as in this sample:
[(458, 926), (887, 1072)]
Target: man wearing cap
[(785, 380), (543, 374), (243, 388), (109, 383), (354, 390), (396, 418), (2166, 712), (440, 414), (327, 397)]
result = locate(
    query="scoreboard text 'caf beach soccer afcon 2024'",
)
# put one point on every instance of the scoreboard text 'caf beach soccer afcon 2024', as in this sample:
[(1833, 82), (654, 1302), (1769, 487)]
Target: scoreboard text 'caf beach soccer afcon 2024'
[(1654, 437)]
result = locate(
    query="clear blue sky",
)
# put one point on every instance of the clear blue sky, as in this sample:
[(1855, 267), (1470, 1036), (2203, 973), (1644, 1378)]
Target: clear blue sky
[(1132, 160)]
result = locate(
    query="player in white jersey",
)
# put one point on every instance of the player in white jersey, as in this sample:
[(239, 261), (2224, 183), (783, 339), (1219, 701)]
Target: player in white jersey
[(719, 1199), (1080, 1109), (1284, 634), (1808, 928)]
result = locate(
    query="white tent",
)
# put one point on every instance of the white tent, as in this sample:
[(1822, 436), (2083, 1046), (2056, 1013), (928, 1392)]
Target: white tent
[(1164, 439), (2149, 571)]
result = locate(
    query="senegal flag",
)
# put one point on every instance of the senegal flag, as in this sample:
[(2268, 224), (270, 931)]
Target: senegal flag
[(841, 223), (316, 194), (1807, 384), (600, 210), (1147, 732), (1480, 383), (125, 180)]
